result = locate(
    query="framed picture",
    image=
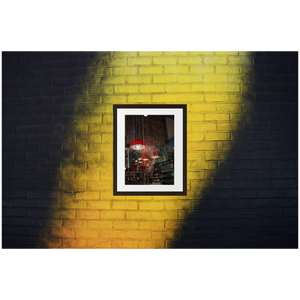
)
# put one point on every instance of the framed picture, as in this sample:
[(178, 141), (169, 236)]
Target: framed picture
[(149, 149)]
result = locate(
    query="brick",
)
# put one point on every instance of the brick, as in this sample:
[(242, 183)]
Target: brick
[(164, 61), (125, 225), (114, 215), (138, 79), (215, 60), (152, 88), (139, 61), (125, 71), (87, 233), (285, 183), (201, 69), (217, 136), (178, 88), (99, 224), (126, 205), (126, 89), (151, 70), (138, 215)]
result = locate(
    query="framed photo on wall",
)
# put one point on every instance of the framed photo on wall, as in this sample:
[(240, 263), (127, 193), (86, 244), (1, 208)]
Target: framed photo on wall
[(150, 149)]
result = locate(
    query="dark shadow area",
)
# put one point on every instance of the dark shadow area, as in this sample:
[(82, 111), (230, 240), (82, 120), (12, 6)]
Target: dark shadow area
[(253, 202), (42, 95)]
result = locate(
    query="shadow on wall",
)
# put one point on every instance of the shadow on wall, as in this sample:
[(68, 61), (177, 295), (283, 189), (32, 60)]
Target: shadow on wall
[(42, 95), (252, 201)]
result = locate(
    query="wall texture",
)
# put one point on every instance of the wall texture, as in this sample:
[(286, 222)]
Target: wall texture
[(57, 150)]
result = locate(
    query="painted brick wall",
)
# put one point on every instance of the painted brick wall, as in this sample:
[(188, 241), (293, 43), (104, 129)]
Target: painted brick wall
[(57, 150)]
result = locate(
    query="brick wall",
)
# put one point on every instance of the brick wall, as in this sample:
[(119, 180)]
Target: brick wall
[(242, 150)]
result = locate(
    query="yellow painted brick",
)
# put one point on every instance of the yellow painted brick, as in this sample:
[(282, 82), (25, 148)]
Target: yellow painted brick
[(72, 185), (99, 128), (99, 185), (203, 87), (175, 53), (178, 204), (86, 157), (151, 70), (114, 62), (152, 88), (99, 224), (88, 119), (130, 244), (112, 234), (114, 100), (100, 72), (229, 107), (74, 243), (176, 69), (153, 205), (229, 126), (247, 89), (125, 54), (195, 175), (235, 117), (217, 97), (138, 215), (139, 98), (207, 53), (227, 53), (106, 156), (99, 204), (203, 107), (87, 233), (159, 225), (158, 215), (245, 60), (162, 234), (74, 166), (72, 204), (86, 195), (243, 78), (125, 224), (201, 69), (195, 136), (215, 78), (189, 78), (102, 165), (178, 88), (165, 78), (139, 61), (107, 138), (142, 234), (174, 224), (226, 145), (106, 175), (246, 69), (150, 53), (99, 243), (127, 205), (108, 195), (112, 215), (217, 136), (113, 80), (164, 61), (87, 175), (216, 117), (88, 138), (227, 69), (107, 118), (96, 90), (63, 232), (228, 87), (74, 223), (201, 127), (194, 117), (191, 60), (64, 175), (215, 60), (212, 155), (204, 146), (204, 165), (151, 244), (177, 98), (126, 89), (88, 214), (64, 214), (108, 147), (139, 79), (125, 71)]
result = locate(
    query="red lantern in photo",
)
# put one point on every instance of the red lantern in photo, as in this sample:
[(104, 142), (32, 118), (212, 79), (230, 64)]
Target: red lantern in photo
[(137, 144)]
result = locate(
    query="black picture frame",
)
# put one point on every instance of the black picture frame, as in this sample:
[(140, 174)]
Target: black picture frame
[(181, 171)]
